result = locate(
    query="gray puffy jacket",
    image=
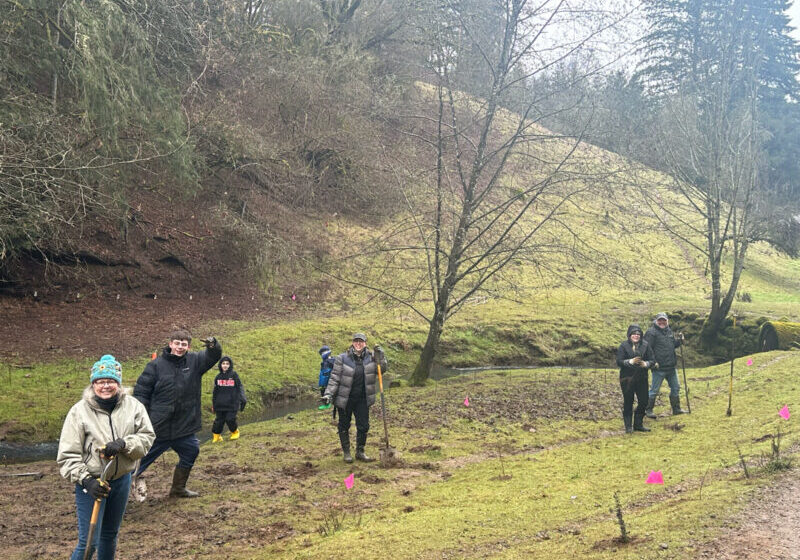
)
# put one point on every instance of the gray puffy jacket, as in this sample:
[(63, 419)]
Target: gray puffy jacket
[(341, 380)]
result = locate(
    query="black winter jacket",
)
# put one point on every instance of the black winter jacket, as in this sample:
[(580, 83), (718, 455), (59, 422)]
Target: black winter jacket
[(663, 343), (228, 394), (341, 381), (628, 351), (169, 388)]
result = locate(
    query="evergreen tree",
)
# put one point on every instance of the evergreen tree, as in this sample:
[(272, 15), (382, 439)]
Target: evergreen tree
[(724, 72)]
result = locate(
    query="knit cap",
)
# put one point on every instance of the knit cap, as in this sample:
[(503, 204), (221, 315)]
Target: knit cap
[(106, 368)]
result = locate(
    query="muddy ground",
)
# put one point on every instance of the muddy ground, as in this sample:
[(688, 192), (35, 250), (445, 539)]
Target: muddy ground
[(285, 474), (768, 529), (37, 331)]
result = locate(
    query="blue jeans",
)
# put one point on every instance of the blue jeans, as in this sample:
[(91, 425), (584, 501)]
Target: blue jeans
[(187, 448), (108, 520), (671, 375)]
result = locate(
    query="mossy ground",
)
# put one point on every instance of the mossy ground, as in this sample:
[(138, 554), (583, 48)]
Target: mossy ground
[(529, 469)]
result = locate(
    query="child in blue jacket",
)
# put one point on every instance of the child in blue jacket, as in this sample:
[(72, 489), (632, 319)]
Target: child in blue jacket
[(325, 369)]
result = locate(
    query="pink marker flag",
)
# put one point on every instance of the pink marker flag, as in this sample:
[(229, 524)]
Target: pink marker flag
[(655, 477), (750, 362), (784, 412), (466, 401), (348, 482)]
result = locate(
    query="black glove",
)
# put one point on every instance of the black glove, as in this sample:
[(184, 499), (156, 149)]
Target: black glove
[(325, 399), (241, 407), (95, 488), (210, 342), (377, 352), (113, 447)]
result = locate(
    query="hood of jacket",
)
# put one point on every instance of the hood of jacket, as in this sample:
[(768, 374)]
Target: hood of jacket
[(222, 359), (635, 328)]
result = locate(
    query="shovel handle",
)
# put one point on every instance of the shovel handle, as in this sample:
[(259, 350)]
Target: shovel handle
[(383, 406), (87, 552)]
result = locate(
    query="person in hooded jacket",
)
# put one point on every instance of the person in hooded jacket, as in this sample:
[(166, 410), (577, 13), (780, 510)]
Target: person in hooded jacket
[(663, 343), (352, 388), (227, 400), (170, 388), (325, 369), (106, 424), (634, 357)]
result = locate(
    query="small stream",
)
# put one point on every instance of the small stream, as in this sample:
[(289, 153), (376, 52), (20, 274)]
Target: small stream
[(439, 373)]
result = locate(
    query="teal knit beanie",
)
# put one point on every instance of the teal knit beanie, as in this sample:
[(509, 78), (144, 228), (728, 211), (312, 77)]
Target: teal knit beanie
[(106, 368)]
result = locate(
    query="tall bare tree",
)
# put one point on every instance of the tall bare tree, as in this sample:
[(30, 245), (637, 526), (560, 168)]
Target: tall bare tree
[(485, 189)]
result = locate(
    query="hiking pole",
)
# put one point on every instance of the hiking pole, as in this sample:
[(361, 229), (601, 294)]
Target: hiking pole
[(685, 384), (89, 550), (733, 349)]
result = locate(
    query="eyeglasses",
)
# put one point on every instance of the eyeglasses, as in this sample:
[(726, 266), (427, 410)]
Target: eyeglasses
[(105, 382)]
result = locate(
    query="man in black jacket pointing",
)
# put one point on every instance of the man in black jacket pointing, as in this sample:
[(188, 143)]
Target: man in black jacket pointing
[(169, 388)]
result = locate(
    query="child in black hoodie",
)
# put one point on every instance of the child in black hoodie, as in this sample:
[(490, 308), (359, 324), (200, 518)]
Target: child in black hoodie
[(227, 399)]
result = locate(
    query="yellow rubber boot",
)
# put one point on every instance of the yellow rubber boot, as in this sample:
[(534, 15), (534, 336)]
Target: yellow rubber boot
[(216, 438), (235, 435)]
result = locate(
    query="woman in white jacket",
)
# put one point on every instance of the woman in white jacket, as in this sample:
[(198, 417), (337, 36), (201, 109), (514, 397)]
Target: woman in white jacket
[(107, 423)]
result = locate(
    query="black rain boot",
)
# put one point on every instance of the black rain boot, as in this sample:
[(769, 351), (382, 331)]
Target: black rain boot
[(344, 439), (628, 424), (676, 405), (361, 442), (179, 478), (361, 456), (651, 402), (638, 426)]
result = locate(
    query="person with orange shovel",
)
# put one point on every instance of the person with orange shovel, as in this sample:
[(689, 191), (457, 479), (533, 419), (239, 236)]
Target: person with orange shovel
[(352, 388), (103, 436)]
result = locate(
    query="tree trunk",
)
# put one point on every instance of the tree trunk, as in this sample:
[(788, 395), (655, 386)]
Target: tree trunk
[(423, 369), (716, 317)]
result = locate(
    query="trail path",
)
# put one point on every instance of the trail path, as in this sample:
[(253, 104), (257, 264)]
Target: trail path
[(768, 529)]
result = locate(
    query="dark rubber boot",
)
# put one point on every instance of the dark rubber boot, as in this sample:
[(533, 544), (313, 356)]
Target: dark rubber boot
[(344, 439), (361, 443), (628, 424), (651, 402), (361, 456), (638, 426), (179, 478), (676, 405)]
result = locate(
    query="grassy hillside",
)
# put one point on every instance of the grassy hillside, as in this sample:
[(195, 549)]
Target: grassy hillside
[(569, 308)]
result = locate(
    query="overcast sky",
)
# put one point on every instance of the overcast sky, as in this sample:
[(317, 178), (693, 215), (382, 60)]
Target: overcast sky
[(794, 13)]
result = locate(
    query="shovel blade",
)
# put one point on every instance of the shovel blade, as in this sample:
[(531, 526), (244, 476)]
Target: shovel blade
[(389, 456)]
